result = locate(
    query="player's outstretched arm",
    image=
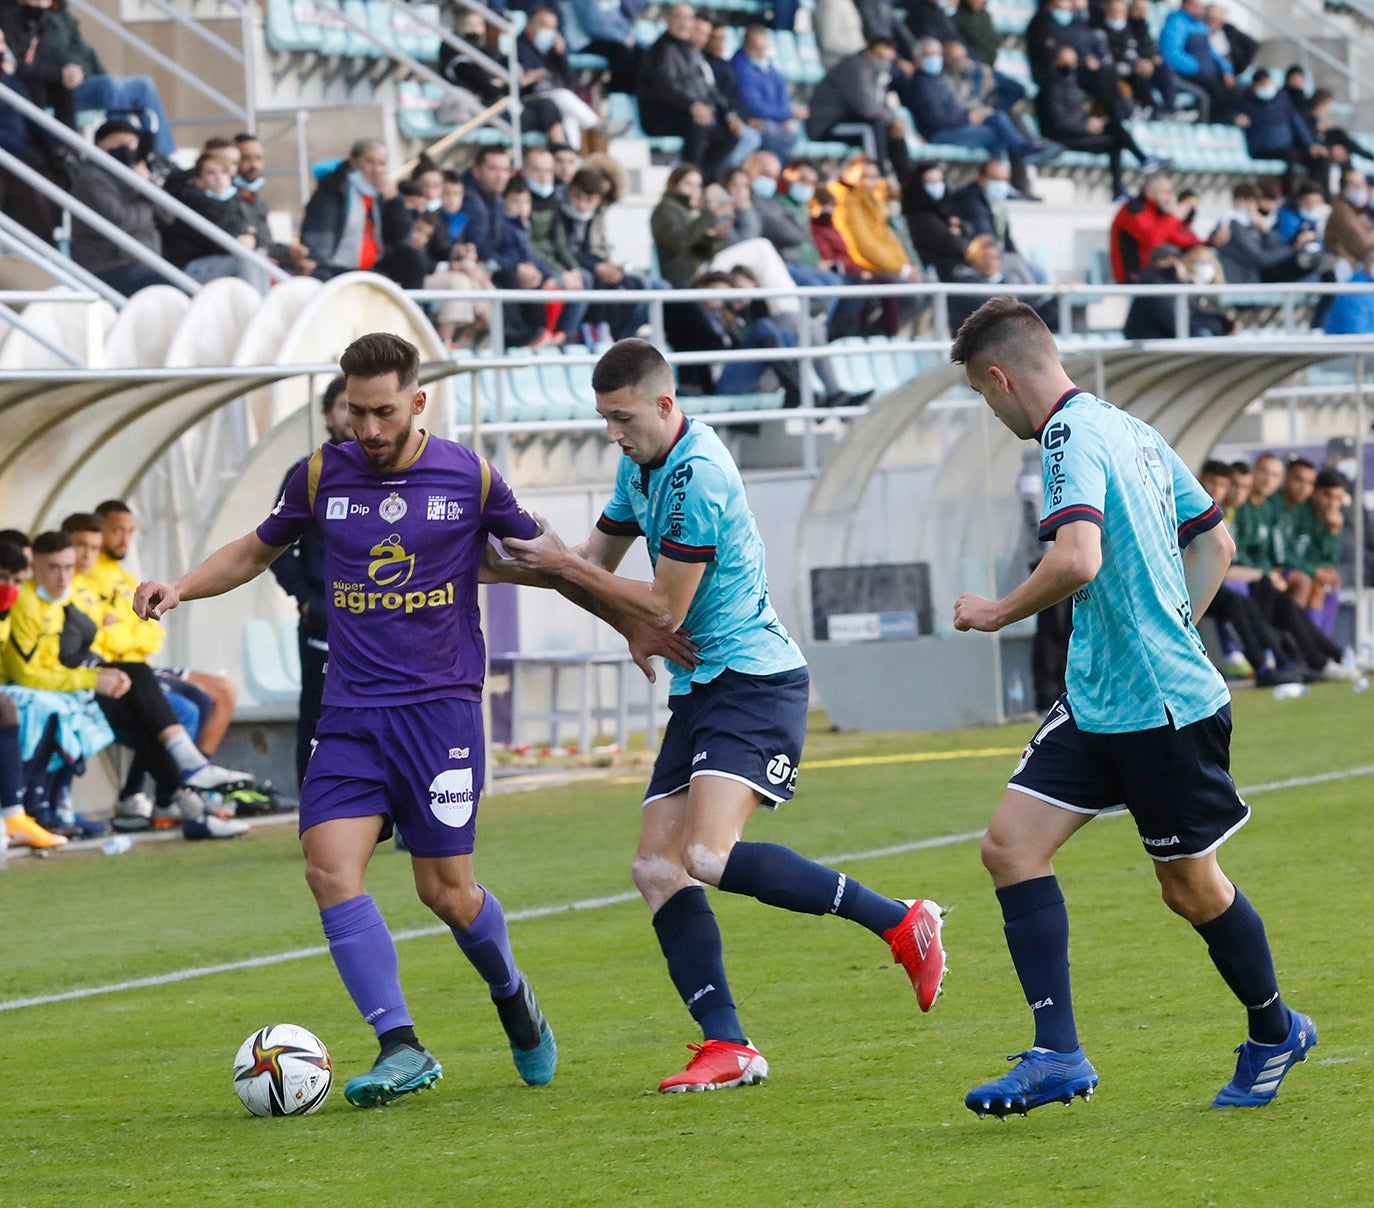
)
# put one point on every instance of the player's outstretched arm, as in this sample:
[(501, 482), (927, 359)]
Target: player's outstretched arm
[(228, 567), (1071, 563), (1205, 563)]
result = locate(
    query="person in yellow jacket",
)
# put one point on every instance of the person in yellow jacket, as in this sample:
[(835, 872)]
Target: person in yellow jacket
[(19, 829), (127, 693), (862, 218), (130, 639)]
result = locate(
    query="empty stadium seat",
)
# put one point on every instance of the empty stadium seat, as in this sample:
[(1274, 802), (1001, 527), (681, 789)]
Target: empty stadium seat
[(264, 668)]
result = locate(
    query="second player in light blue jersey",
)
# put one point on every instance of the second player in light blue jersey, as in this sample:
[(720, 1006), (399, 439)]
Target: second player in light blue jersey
[(738, 708), (1144, 725)]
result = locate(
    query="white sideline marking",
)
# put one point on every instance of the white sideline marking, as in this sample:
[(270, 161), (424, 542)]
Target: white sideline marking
[(540, 912)]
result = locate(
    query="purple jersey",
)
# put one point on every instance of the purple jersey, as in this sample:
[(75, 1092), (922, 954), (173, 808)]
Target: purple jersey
[(402, 548)]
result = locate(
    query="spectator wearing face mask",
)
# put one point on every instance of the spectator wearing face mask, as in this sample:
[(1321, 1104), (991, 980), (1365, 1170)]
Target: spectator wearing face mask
[(543, 59), (936, 231), (1136, 59), (583, 212), (1254, 251), (981, 205), (1350, 229), (1273, 128), (765, 99), (344, 227), (1302, 218), (215, 198), (1153, 317)]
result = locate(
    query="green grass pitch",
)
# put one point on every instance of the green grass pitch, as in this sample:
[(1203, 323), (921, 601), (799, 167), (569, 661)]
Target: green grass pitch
[(125, 1098)]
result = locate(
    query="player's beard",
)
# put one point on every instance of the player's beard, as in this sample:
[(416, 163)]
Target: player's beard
[(387, 457)]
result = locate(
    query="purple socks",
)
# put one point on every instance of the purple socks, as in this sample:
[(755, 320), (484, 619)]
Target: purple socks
[(487, 945), (365, 955)]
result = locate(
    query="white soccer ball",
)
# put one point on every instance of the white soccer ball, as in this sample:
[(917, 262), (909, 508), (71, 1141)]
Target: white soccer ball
[(282, 1070)]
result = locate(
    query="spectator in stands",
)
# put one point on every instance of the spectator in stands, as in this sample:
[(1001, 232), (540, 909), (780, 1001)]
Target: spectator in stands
[(1136, 59), (610, 29), (1254, 251), (483, 184), (213, 196), (1144, 223), (839, 30), (678, 97), (1302, 216), (851, 102), (250, 182), (538, 113), (786, 225), (975, 84), (941, 119), (1065, 117), (20, 200), (686, 232), (538, 324), (981, 205), (458, 323), (936, 231), (128, 694), (863, 220), (1058, 25), (300, 573), (982, 265), (933, 19), (120, 204), (543, 57), (1338, 142), (1154, 317), (765, 99), (548, 236), (975, 26), (1201, 265), (566, 163), (583, 212), (1351, 314), (745, 222), (345, 225), (709, 39), (1185, 41), (1273, 128), (1227, 42), (879, 20), (61, 71), (1350, 229)]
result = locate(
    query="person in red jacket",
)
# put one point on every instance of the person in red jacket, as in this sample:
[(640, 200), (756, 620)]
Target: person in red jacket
[(1144, 223)]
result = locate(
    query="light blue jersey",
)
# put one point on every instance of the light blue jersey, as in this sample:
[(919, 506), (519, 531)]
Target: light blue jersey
[(690, 506), (1135, 659)]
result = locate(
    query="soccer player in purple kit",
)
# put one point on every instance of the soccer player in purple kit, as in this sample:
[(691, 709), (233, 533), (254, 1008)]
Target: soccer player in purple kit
[(406, 519)]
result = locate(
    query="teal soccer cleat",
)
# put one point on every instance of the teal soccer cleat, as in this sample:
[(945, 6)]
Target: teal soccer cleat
[(532, 1045), (403, 1071), (1039, 1078), (1260, 1067)]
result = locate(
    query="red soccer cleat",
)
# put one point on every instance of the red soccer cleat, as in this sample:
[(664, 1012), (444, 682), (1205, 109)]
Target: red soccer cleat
[(916, 947), (717, 1066)]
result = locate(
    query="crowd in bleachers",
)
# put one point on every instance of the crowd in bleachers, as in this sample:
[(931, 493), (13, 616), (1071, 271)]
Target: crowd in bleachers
[(76, 676), (832, 155)]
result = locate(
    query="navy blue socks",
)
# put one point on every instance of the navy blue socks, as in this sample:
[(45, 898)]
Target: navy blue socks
[(486, 944), (778, 876), (690, 938), (1036, 924), (1239, 948)]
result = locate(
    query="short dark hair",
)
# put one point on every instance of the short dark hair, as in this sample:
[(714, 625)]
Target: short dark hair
[(81, 522), (1000, 325), (1299, 463), (516, 185), (362, 144), (557, 147), (246, 136), (410, 188), (423, 165), (216, 143), (332, 392), (16, 538), (874, 43), (1215, 468), (54, 541), (112, 507), (1240, 467), (452, 177), (116, 125), (13, 559), (1305, 187), (486, 153), (631, 363), (1329, 479), (590, 182), (1245, 191), (379, 353)]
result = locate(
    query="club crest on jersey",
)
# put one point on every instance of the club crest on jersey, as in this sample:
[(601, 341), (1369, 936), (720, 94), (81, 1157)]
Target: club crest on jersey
[(392, 508), (391, 565)]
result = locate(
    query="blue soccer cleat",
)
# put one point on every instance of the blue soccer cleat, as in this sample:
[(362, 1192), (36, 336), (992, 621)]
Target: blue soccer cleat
[(532, 1045), (403, 1071), (1261, 1067), (1039, 1078)]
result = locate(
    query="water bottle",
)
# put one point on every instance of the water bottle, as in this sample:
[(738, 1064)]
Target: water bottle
[(1289, 691), (1362, 683), (117, 845), (1016, 694)]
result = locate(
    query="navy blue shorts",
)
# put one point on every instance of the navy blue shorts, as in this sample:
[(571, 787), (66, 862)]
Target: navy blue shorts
[(419, 766), (1176, 783), (748, 728)]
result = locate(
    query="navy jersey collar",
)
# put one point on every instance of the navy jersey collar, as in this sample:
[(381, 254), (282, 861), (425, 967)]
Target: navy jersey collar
[(663, 457), (1063, 398)]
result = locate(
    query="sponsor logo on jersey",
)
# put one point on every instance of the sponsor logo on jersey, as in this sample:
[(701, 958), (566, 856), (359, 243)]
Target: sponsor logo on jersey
[(1056, 435), (392, 508), (451, 797), (441, 507), (336, 508), (391, 567)]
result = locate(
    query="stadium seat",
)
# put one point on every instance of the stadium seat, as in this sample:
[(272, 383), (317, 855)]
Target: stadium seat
[(624, 108), (265, 671)]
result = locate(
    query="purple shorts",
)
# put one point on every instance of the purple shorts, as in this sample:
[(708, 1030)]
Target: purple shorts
[(419, 766)]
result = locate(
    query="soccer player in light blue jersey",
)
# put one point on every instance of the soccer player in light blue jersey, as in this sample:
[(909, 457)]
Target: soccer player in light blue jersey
[(1145, 723), (738, 715)]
